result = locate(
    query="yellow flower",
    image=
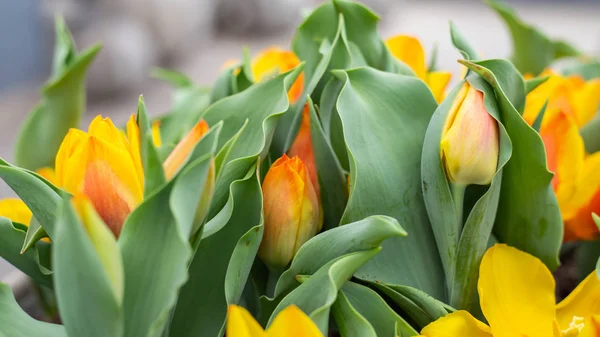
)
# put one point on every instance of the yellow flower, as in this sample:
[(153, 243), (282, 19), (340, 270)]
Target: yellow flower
[(291, 322), (274, 61), (15, 210), (516, 292), (571, 95), (576, 182), (469, 144), (303, 148), (105, 165), (291, 210), (409, 50)]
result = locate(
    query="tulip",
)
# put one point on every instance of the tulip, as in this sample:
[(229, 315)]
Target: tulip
[(292, 213), (469, 144), (575, 182), (291, 321), (184, 148), (103, 242), (15, 210), (105, 165), (274, 61), (516, 292), (571, 95), (410, 51), (303, 148)]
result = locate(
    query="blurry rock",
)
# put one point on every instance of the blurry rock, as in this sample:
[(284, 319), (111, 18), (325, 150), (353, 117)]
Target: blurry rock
[(259, 16)]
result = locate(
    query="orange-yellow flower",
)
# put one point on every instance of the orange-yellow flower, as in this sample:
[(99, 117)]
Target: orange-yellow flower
[(469, 144), (291, 209), (571, 95), (105, 165), (302, 147), (409, 50), (576, 181), (516, 292), (291, 321), (274, 61), (184, 148)]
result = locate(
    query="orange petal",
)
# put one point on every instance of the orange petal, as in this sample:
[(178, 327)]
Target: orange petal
[(591, 327), (302, 147), (183, 150), (409, 50)]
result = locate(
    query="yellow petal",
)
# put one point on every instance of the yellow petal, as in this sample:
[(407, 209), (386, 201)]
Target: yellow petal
[(274, 61), (536, 99), (591, 327), (156, 139), (48, 173), (183, 150), (516, 293), (585, 99), (292, 322), (70, 146), (457, 324), (133, 137), (584, 301), (409, 50), (241, 324), (437, 81), (15, 210)]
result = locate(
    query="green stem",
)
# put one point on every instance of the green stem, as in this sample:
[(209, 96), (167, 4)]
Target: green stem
[(458, 195), (272, 281)]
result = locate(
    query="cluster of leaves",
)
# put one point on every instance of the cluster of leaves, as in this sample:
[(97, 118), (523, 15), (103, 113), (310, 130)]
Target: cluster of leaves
[(393, 256)]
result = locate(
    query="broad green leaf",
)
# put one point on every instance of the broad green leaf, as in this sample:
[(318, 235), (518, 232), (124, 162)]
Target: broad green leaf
[(332, 124), (361, 235), (61, 107), (202, 305), (533, 83), (39, 195), (332, 179), (316, 295), (222, 87), (34, 262), (87, 300), (384, 117), (348, 320), (588, 69), (15, 322), (532, 50), (154, 175), (419, 306), (528, 214), (384, 320), (461, 43)]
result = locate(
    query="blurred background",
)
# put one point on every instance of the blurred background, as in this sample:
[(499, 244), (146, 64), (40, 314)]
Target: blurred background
[(197, 36)]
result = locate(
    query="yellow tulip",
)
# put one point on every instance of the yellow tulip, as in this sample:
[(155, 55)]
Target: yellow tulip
[(409, 50), (15, 210), (303, 148), (571, 95), (469, 144), (576, 182), (274, 61), (105, 165), (290, 322), (291, 211), (516, 292)]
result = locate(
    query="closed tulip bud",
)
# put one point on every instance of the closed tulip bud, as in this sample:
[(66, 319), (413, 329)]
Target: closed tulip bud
[(184, 148), (103, 241), (291, 210), (302, 147), (104, 164), (469, 145)]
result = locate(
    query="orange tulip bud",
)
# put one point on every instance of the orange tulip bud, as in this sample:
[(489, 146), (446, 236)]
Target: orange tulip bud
[(291, 209), (469, 145), (105, 165), (274, 61), (302, 147), (185, 147)]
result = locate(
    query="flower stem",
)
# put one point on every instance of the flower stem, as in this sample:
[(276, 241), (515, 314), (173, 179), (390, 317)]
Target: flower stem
[(458, 195)]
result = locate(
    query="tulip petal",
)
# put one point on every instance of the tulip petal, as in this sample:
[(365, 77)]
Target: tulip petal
[(409, 50), (585, 99), (183, 149), (591, 327), (48, 173), (274, 61), (457, 324), (437, 81), (584, 301), (133, 136), (15, 210), (156, 139), (241, 324), (303, 148), (70, 147), (536, 99), (292, 322), (516, 292)]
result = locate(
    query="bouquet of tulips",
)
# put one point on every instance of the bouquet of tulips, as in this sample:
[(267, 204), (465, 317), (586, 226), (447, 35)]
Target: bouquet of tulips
[(343, 188)]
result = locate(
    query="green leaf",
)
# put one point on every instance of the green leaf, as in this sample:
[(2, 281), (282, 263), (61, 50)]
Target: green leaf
[(202, 305), (461, 43), (332, 179), (61, 106), (332, 124), (528, 214), (533, 83), (587, 255), (385, 116), (316, 295), (15, 322), (532, 50), (384, 320), (349, 321), (175, 78), (33, 262), (86, 297), (154, 175), (588, 69), (39, 195), (222, 87), (591, 135)]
